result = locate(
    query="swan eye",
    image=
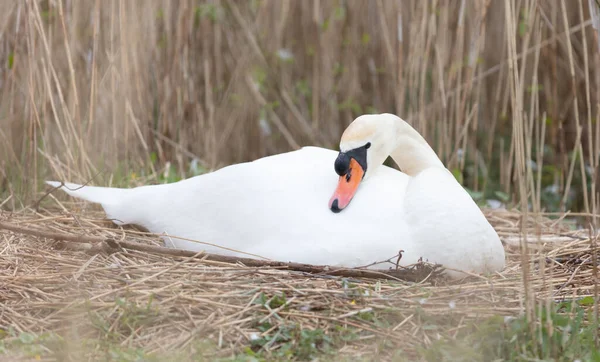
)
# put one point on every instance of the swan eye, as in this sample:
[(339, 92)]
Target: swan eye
[(342, 164)]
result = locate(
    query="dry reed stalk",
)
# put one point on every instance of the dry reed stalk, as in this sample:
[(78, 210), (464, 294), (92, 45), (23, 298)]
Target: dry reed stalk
[(50, 289), (116, 105), (516, 91), (108, 90), (417, 273)]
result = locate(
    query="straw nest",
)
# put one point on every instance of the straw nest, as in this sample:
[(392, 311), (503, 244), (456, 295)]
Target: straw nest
[(101, 301)]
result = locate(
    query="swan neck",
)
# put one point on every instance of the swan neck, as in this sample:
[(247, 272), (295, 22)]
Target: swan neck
[(412, 153)]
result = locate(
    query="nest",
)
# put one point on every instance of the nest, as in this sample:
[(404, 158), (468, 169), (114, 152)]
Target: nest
[(98, 301)]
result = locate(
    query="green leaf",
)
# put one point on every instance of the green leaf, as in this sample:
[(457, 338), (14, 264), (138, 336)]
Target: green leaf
[(366, 38), (522, 29), (340, 12), (502, 196), (457, 175), (586, 301), (26, 338), (476, 195)]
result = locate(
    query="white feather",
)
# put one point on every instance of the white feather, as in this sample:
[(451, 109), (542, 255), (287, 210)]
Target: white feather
[(277, 207)]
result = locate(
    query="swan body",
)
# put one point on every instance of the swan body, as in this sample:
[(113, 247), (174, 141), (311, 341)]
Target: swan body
[(276, 207)]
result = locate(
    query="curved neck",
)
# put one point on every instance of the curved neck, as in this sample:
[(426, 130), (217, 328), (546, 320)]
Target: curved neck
[(413, 154)]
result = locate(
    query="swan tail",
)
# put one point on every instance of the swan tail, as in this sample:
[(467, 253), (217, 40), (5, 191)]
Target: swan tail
[(113, 200)]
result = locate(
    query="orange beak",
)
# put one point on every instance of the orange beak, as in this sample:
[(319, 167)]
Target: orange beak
[(347, 186)]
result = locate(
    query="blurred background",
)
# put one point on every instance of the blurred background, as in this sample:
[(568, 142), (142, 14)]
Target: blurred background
[(132, 92)]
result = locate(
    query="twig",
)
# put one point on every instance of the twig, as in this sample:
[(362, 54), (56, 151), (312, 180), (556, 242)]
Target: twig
[(413, 273), (355, 312), (36, 205)]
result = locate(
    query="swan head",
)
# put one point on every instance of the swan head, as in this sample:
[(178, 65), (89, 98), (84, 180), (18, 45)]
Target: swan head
[(364, 146)]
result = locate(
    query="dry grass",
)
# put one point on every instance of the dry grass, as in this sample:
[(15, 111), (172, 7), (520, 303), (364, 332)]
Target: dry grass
[(119, 87), (133, 92), (183, 308)]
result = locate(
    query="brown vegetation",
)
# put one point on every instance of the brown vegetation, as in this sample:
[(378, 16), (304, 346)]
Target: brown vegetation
[(116, 86), (66, 304), (121, 92)]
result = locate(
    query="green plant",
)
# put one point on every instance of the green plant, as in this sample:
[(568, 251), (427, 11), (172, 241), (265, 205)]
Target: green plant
[(563, 332)]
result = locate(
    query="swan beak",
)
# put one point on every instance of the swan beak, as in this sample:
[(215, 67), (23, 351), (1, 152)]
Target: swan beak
[(347, 186)]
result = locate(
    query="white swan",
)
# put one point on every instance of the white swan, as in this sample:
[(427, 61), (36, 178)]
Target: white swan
[(276, 207)]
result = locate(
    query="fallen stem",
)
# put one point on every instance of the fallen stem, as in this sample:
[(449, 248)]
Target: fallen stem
[(413, 273)]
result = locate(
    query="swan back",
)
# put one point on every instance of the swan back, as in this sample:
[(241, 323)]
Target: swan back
[(449, 225)]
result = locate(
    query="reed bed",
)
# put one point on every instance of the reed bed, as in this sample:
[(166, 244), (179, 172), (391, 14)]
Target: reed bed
[(109, 90), (185, 308), (127, 93)]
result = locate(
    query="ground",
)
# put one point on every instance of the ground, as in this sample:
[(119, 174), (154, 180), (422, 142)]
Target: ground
[(59, 303)]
